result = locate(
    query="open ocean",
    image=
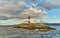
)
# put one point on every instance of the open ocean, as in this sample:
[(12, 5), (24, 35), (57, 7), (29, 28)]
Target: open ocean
[(10, 32)]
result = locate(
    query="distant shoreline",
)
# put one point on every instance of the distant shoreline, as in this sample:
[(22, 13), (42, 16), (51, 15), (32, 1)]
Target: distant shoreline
[(52, 23), (38, 23)]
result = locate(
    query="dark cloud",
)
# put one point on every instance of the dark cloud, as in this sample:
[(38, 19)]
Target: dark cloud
[(3, 18), (50, 4)]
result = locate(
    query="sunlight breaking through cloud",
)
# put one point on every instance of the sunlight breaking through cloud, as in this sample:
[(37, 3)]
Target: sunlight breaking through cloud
[(35, 14), (21, 9)]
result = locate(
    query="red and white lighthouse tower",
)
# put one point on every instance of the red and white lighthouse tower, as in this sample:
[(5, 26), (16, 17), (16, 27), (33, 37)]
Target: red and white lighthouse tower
[(28, 19)]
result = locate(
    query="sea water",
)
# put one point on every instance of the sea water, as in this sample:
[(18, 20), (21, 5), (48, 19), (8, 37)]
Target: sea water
[(7, 32)]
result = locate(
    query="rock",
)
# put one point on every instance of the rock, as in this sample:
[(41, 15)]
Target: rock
[(35, 26)]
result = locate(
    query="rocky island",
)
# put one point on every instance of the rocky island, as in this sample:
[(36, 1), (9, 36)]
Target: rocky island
[(33, 26)]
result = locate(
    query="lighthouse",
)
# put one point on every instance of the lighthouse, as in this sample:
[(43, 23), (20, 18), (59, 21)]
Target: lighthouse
[(28, 19), (29, 22)]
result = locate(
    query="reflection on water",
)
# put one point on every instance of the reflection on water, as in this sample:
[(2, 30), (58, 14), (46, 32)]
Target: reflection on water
[(22, 33)]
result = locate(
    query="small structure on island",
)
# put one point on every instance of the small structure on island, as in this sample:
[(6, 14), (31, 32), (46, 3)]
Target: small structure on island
[(29, 20)]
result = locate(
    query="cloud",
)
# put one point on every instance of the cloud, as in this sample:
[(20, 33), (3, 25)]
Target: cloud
[(57, 21), (10, 22), (11, 8), (19, 9), (15, 9), (17, 21), (50, 4), (32, 12), (47, 4)]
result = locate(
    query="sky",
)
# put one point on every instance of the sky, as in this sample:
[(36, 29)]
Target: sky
[(13, 11)]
